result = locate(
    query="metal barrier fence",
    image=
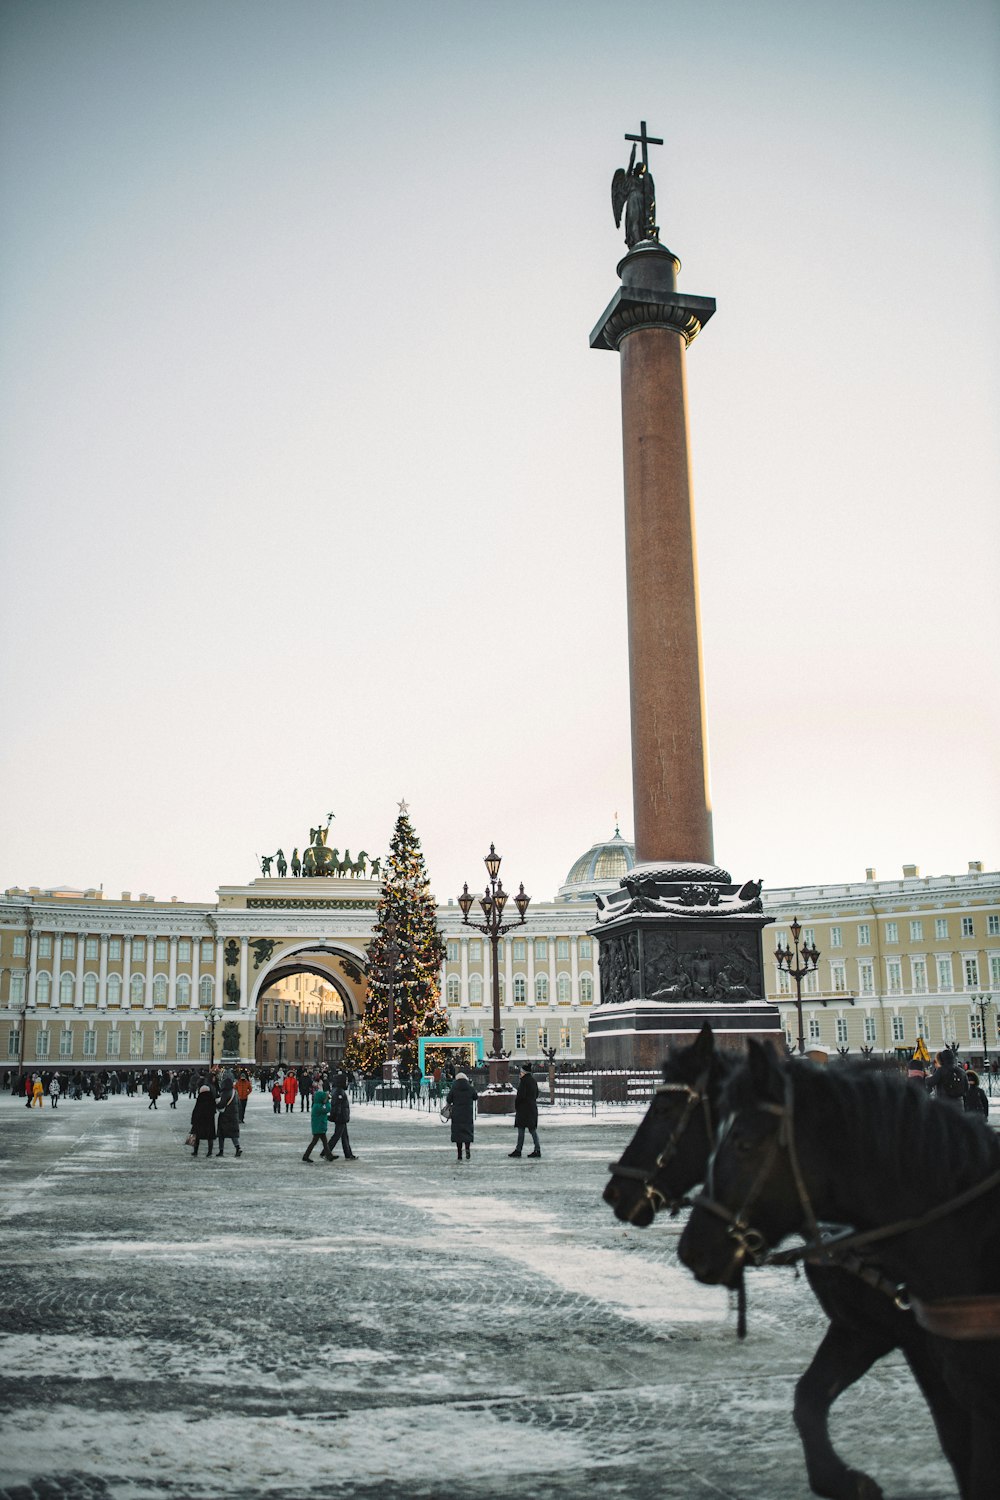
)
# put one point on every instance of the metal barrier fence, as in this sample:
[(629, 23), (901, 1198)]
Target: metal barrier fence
[(591, 1089)]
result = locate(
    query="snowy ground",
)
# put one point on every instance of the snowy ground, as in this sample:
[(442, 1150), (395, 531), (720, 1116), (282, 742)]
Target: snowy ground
[(401, 1325)]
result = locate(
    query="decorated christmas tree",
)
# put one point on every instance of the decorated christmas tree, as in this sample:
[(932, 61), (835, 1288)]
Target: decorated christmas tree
[(406, 900)]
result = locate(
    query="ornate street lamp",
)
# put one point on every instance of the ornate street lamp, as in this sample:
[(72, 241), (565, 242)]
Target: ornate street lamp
[(498, 1098), (280, 1028), (391, 952), (805, 962), (983, 1003), (210, 1019)]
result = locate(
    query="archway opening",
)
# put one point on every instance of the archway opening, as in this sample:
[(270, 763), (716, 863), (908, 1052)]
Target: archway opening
[(307, 1007)]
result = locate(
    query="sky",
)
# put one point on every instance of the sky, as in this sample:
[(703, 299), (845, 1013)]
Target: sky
[(311, 484)]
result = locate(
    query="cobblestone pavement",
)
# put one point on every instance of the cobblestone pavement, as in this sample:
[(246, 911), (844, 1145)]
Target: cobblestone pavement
[(401, 1325)]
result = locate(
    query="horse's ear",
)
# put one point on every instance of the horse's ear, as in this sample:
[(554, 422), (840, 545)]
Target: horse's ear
[(704, 1045), (763, 1070)]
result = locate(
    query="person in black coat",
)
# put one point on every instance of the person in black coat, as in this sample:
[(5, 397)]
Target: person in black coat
[(526, 1112), (462, 1099), (976, 1101), (203, 1120), (228, 1123), (340, 1114), (949, 1081)]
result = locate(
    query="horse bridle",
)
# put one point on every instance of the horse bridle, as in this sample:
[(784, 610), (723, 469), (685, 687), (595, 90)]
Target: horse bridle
[(697, 1093)]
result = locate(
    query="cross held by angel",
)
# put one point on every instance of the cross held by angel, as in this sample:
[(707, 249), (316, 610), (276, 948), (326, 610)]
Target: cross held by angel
[(634, 193)]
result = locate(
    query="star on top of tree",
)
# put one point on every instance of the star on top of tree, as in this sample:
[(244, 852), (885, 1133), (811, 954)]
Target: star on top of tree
[(404, 808)]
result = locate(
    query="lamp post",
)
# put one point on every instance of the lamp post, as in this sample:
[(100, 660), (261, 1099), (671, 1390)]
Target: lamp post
[(391, 951), (983, 1003), (280, 1028), (805, 959), (498, 1098), (210, 1020)]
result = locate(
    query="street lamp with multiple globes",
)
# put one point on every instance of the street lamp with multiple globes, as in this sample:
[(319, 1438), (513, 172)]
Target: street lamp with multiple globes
[(498, 1098), (983, 1004), (799, 969), (211, 1017)]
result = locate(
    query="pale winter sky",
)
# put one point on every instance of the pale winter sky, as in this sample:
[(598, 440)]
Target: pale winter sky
[(312, 488)]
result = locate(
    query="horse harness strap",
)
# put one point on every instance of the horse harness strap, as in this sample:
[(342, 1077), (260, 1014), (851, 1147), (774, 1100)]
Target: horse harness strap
[(960, 1317), (697, 1093)]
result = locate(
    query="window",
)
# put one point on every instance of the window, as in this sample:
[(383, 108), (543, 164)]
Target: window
[(184, 990), (916, 932), (14, 1042), (520, 949), (836, 937), (184, 951), (520, 989), (562, 948), (91, 947), (564, 1037), (454, 991), (184, 1043), (207, 951), (475, 951), (160, 990), (838, 978), (813, 1029), (137, 988), (780, 938), (918, 968), (475, 989), (135, 1043), (206, 991), (894, 974), (90, 1042), (994, 974), (975, 1026), (864, 935), (520, 1037), (898, 1030), (541, 949), (563, 989), (866, 972), (968, 927), (453, 950), (20, 945), (113, 1043), (922, 1025), (42, 1043), (203, 1044), (90, 989), (808, 936), (810, 984), (992, 926), (841, 1032), (160, 1042), (138, 950), (944, 976), (587, 950), (541, 989), (69, 947), (940, 928), (66, 1042), (115, 948), (66, 989), (586, 989), (43, 989), (298, 1047), (543, 1037), (17, 989), (869, 1029), (971, 967), (160, 950), (45, 946), (784, 983), (892, 932)]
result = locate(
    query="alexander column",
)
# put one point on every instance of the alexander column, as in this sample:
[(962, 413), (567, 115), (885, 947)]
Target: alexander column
[(680, 942)]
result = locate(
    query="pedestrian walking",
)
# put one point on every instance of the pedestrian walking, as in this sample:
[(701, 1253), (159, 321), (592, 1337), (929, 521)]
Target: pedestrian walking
[(153, 1092), (55, 1090), (526, 1112), (203, 1120), (227, 1126), (948, 1080), (319, 1119), (175, 1088), (976, 1102), (244, 1088), (340, 1114), (37, 1092), (276, 1096), (305, 1090), (462, 1104), (290, 1089)]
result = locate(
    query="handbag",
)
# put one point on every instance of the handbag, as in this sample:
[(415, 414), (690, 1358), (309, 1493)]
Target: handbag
[(191, 1140), (446, 1112)]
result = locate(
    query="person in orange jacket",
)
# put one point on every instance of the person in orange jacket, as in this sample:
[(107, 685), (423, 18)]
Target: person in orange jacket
[(291, 1092), (243, 1088)]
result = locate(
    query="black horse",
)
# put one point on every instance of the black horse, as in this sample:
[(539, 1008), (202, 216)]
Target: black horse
[(667, 1157), (921, 1184)]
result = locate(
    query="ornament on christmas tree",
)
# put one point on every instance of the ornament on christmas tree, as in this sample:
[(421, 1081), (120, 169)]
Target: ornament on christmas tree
[(406, 958)]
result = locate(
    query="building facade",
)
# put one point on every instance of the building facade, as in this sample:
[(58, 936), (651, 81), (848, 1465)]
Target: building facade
[(88, 981)]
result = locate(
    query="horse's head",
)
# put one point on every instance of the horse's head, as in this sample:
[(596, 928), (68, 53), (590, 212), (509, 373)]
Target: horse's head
[(751, 1198), (669, 1151)]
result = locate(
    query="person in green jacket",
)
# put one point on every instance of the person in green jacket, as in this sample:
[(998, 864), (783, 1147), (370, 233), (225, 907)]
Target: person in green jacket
[(320, 1120)]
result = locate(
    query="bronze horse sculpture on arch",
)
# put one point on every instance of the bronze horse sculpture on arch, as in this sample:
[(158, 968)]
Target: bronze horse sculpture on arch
[(668, 1157)]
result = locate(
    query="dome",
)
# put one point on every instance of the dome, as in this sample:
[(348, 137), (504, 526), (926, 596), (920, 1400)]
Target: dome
[(600, 869)]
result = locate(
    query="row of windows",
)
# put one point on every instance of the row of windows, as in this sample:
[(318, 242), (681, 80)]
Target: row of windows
[(916, 926), (112, 1043), (91, 948), (137, 989), (943, 972), (903, 1029), (564, 989), (519, 948)]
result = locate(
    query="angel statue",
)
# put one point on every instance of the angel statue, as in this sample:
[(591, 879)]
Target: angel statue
[(634, 192)]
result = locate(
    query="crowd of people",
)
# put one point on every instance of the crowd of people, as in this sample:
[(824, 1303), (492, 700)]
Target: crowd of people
[(950, 1081)]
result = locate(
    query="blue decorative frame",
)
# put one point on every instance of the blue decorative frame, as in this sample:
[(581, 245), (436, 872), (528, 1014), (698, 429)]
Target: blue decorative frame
[(449, 1041)]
